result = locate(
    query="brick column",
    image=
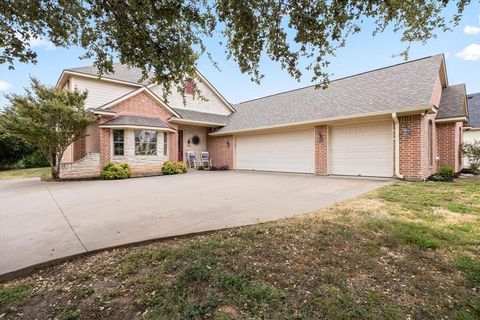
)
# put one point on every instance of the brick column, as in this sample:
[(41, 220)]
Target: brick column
[(449, 144), (410, 147), (321, 149), (104, 146), (221, 150)]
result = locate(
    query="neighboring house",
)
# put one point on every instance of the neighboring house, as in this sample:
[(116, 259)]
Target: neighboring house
[(472, 128), (404, 120)]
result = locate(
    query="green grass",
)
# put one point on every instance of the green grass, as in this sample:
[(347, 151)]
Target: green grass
[(25, 173), (14, 294), (404, 251)]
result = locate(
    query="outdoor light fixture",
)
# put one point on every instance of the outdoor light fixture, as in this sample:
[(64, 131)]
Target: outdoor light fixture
[(406, 131), (228, 143), (319, 137)]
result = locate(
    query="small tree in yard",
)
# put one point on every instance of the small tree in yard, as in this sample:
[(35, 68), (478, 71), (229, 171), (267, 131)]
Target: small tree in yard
[(49, 119), (472, 152)]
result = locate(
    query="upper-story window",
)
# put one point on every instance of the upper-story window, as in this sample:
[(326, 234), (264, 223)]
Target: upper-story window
[(189, 86)]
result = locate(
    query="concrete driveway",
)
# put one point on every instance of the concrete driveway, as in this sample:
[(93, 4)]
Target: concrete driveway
[(44, 221)]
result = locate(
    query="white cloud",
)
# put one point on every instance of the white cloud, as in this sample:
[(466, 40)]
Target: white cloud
[(470, 52), (38, 42), (41, 42), (471, 30), (4, 85)]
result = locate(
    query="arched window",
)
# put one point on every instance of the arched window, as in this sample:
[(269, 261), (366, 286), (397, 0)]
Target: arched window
[(430, 143)]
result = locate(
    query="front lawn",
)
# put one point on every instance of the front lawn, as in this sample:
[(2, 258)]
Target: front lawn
[(405, 251), (25, 173)]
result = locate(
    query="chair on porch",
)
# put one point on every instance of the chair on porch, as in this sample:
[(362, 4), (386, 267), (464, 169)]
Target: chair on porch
[(192, 159), (205, 159)]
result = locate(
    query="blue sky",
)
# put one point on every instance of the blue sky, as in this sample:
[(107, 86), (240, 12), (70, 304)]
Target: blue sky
[(362, 53)]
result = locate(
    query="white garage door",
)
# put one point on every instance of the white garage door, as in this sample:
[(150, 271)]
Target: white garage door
[(364, 149), (292, 151)]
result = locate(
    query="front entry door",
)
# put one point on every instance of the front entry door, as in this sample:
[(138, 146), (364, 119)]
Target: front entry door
[(180, 145)]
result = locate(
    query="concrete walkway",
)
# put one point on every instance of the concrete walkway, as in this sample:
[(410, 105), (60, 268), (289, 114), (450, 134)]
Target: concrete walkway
[(44, 221)]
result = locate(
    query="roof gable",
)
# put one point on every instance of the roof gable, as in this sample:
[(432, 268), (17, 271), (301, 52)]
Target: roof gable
[(132, 75), (136, 92), (473, 101), (452, 102)]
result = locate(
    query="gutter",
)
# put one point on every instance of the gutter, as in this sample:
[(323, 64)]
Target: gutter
[(196, 122), (397, 146), (406, 111)]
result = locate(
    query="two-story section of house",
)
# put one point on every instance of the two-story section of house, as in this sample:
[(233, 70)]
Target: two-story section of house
[(135, 125)]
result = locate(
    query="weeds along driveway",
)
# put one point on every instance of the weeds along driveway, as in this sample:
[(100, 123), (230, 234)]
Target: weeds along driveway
[(43, 221)]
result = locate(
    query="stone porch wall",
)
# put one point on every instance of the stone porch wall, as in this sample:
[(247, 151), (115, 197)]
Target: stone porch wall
[(87, 167)]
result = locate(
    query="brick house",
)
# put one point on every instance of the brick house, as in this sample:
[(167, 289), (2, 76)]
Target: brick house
[(401, 121)]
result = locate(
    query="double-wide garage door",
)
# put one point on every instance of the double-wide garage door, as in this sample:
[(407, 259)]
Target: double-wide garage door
[(359, 150), (291, 151)]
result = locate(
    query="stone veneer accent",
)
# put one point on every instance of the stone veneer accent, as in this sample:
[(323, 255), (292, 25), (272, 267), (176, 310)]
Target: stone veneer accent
[(141, 104), (87, 167), (221, 150), (321, 149)]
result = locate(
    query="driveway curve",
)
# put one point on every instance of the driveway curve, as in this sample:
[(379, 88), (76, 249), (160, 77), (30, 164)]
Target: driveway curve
[(45, 221)]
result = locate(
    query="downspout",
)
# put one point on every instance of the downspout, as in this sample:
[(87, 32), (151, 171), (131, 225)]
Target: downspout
[(397, 146)]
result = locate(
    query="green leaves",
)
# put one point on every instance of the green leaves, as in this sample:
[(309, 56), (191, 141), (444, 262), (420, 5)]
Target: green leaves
[(48, 118), (165, 38)]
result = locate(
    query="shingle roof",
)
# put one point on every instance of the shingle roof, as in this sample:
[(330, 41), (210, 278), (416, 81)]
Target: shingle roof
[(401, 86), (201, 116), (452, 102), (137, 121), (473, 101), (120, 72)]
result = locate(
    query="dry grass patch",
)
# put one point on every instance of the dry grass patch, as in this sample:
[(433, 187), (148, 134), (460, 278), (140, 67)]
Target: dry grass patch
[(401, 252)]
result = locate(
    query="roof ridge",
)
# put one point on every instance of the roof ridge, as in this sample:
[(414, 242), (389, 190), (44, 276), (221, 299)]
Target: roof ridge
[(343, 78)]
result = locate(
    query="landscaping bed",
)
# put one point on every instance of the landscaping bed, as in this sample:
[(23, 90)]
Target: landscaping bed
[(404, 251)]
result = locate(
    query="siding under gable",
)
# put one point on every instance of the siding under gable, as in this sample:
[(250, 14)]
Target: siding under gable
[(100, 92), (213, 104)]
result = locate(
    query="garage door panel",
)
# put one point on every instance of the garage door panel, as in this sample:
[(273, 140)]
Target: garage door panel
[(282, 151), (365, 149)]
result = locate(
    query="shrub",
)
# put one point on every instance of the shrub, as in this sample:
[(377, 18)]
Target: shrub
[(172, 167), (201, 168), (113, 171), (445, 173), (472, 152)]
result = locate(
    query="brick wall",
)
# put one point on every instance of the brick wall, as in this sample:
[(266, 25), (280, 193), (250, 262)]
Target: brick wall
[(450, 140), (410, 144), (141, 104), (221, 150), (104, 146), (79, 149), (321, 149)]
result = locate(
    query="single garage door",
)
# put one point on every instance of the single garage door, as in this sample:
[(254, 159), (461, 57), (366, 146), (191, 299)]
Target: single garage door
[(362, 149), (292, 151)]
